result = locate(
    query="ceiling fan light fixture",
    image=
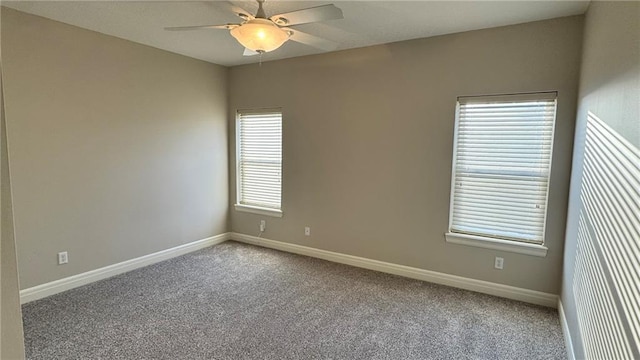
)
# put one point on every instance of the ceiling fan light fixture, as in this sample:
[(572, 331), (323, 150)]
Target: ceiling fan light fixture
[(260, 35)]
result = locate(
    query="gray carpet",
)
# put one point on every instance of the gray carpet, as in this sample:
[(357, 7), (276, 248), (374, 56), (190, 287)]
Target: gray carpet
[(236, 301)]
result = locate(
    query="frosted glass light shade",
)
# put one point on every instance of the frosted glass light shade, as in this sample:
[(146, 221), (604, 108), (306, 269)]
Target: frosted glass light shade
[(260, 35)]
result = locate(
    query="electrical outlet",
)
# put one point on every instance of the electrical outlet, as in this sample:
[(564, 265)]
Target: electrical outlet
[(263, 225), (499, 263), (307, 231), (63, 258)]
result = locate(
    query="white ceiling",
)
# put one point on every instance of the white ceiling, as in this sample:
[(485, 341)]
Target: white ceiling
[(365, 23)]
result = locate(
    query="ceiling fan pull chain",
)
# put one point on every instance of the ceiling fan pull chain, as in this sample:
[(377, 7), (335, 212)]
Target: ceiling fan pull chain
[(260, 53)]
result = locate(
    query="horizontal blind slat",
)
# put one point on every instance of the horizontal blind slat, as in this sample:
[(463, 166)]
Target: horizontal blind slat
[(500, 234), (500, 210), (504, 222), (501, 226)]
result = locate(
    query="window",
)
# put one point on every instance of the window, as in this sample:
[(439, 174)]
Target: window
[(501, 167), (259, 161)]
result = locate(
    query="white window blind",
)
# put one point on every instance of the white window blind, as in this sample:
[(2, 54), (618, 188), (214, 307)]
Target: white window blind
[(501, 166), (259, 159)]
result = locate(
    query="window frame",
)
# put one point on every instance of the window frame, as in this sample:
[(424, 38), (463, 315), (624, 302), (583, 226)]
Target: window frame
[(249, 208), (495, 242)]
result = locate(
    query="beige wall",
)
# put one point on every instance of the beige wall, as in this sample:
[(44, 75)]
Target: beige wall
[(368, 137), (11, 340), (609, 89), (117, 150)]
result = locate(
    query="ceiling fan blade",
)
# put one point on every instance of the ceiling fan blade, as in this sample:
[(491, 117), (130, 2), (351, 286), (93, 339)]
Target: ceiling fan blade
[(314, 14), (316, 42), (249, 52), (200, 27)]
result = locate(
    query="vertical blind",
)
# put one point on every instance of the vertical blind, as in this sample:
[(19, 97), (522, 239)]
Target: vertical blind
[(502, 161), (260, 158)]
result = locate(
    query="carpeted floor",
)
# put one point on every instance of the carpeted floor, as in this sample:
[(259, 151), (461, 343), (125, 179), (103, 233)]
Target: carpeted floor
[(236, 301)]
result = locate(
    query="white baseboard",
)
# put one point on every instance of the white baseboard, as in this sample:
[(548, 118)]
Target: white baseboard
[(568, 341), (506, 291), (57, 286), (510, 292)]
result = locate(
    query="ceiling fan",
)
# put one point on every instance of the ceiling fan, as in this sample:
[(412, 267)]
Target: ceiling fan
[(259, 34)]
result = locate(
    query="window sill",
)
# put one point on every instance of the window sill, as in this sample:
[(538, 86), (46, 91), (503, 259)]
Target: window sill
[(259, 210), (497, 244)]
